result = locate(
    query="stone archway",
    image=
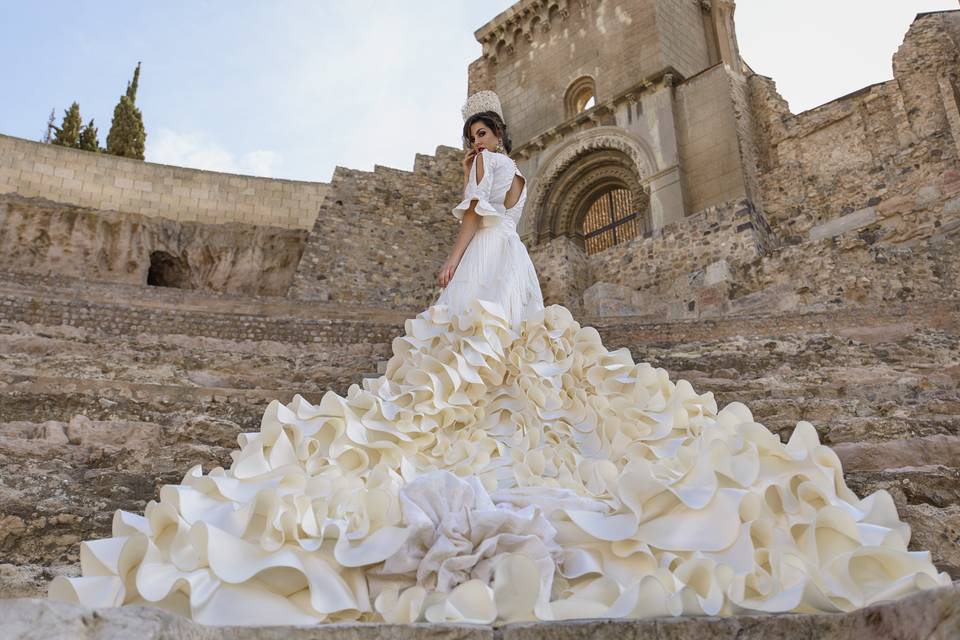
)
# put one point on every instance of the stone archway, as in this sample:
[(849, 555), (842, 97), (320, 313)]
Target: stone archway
[(571, 179), (582, 184), (598, 159)]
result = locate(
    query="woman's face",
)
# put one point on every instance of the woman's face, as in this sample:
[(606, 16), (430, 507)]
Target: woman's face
[(481, 137)]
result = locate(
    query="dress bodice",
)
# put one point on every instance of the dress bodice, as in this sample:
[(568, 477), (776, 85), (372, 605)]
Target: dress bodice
[(491, 191)]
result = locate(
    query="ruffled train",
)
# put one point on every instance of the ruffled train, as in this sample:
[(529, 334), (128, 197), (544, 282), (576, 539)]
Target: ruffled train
[(496, 475)]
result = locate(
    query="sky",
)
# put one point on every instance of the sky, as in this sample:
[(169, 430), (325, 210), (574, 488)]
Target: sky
[(292, 88)]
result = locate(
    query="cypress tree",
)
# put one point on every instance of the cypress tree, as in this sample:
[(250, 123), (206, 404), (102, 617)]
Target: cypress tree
[(88, 138), (133, 86), (68, 135), (127, 136)]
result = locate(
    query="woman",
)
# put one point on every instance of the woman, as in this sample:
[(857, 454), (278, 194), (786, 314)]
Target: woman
[(506, 467), (488, 261)]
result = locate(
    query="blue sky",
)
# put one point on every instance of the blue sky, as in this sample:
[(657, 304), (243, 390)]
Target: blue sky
[(292, 88)]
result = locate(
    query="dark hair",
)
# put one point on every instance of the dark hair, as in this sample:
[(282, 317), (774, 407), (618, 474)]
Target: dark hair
[(494, 122)]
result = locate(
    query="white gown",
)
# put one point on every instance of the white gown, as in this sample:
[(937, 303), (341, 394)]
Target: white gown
[(495, 265), (503, 471)]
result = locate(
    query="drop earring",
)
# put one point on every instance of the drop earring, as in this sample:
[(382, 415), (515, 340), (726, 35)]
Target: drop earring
[(500, 146)]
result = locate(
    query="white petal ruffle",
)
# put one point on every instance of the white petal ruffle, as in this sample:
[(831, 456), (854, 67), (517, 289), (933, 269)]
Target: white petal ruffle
[(496, 475)]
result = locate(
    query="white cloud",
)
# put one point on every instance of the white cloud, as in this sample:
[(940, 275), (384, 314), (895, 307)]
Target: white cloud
[(198, 151)]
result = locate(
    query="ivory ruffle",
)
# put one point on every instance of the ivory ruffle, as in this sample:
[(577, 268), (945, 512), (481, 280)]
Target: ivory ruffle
[(483, 207), (494, 475), (480, 191)]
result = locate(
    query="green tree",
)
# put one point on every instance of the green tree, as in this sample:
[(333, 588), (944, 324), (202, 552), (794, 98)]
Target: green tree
[(88, 138), (68, 134), (127, 136)]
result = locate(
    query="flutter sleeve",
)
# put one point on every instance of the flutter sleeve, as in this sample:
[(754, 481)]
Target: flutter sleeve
[(479, 192)]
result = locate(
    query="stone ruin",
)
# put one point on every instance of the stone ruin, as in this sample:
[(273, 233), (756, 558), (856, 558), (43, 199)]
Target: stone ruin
[(804, 264)]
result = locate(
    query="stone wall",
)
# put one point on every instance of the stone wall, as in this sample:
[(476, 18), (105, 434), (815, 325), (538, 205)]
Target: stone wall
[(42, 237), (665, 271), (885, 142), (119, 310), (683, 41), (720, 262), (534, 50), (564, 272), (712, 168), (108, 182), (381, 236)]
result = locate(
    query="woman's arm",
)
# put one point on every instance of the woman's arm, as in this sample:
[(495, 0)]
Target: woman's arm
[(478, 160), (468, 227), (469, 222)]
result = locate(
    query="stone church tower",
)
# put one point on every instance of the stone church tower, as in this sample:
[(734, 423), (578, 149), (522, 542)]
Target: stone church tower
[(622, 113)]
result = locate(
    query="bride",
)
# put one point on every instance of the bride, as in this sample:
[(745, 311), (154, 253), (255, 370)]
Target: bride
[(507, 467), (488, 261)]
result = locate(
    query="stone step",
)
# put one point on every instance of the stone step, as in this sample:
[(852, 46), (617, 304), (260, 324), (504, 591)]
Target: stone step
[(188, 361), (41, 398), (31, 580), (928, 615)]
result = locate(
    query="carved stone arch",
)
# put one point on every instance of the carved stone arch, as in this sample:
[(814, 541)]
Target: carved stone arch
[(577, 93), (552, 212), (550, 13), (515, 39), (532, 28), (611, 171)]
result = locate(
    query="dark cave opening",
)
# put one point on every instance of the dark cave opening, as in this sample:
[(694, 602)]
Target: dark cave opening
[(167, 270)]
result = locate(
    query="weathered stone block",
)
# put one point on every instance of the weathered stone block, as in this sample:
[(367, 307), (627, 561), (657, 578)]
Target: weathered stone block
[(851, 221)]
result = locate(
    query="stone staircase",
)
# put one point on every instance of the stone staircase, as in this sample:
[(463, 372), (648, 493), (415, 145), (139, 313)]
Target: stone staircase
[(884, 392), (104, 397), (97, 417)]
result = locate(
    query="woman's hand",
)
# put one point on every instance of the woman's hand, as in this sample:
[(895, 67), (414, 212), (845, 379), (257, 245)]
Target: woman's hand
[(447, 270), (468, 157)]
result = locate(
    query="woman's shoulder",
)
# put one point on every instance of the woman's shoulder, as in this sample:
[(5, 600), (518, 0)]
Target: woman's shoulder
[(503, 159), (498, 159)]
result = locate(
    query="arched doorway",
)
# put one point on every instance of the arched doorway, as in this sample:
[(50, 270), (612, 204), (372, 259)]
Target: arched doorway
[(597, 197)]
